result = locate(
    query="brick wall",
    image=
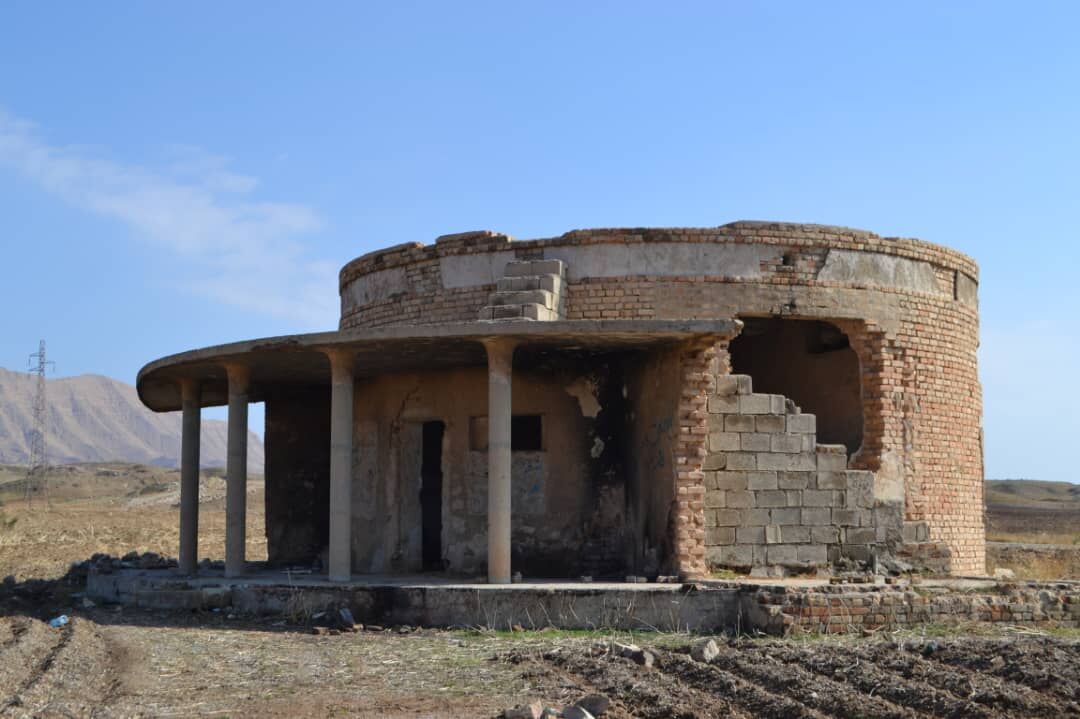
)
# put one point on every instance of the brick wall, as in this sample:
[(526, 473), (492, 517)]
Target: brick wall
[(845, 608), (428, 302), (688, 518), (922, 401)]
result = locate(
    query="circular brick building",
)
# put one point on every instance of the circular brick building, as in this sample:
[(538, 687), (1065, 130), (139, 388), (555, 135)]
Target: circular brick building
[(752, 395)]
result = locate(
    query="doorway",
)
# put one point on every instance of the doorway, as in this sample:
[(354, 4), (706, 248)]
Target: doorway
[(431, 496)]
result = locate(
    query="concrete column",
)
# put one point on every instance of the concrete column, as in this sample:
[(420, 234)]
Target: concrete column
[(236, 471), (190, 395), (341, 436), (500, 369)]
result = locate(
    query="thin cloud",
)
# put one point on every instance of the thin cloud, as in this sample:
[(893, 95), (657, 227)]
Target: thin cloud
[(209, 170), (196, 208)]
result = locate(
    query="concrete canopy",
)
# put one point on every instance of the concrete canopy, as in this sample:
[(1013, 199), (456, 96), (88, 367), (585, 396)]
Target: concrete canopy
[(301, 359)]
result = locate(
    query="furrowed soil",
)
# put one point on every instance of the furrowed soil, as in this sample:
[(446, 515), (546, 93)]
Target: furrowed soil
[(913, 677), (119, 662)]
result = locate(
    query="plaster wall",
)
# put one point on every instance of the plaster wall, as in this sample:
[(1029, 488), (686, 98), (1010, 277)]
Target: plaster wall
[(561, 500)]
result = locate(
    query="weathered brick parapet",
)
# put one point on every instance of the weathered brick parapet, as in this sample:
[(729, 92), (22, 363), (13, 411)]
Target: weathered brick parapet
[(839, 609), (802, 236)]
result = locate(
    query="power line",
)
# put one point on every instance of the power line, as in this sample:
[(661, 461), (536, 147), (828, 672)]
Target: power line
[(36, 474)]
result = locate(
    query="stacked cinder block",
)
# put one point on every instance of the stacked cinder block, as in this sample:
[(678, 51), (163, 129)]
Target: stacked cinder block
[(776, 498), (528, 290), (919, 551)]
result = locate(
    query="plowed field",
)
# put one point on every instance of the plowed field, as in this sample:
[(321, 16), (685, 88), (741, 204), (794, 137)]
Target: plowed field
[(934, 678)]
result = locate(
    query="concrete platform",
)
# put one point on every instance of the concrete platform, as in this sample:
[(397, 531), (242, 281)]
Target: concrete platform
[(745, 605), (431, 601)]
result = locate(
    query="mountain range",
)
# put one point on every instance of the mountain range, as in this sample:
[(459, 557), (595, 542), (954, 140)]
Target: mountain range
[(92, 418)]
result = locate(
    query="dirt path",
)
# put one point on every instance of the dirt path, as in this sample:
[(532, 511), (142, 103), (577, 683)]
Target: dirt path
[(216, 666)]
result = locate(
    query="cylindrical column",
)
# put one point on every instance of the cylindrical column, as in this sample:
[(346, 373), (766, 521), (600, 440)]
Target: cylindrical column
[(236, 471), (500, 369), (189, 475), (341, 434)]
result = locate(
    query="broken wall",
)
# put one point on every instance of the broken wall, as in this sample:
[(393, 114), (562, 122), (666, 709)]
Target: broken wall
[(776, 498)]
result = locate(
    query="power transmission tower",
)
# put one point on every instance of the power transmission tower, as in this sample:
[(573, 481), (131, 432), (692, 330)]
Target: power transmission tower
[(36, 473)]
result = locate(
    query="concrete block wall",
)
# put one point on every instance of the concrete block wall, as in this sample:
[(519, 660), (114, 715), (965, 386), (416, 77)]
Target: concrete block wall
[(775, 498)]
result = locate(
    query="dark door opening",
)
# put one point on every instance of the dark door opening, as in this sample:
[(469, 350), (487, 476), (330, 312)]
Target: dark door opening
[(431, 496)]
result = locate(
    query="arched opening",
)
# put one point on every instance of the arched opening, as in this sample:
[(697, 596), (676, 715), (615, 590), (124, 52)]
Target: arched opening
[(812, 363)]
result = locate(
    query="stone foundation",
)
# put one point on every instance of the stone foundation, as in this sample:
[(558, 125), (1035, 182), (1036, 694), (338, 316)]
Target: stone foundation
[(706, 607), (841, 609)]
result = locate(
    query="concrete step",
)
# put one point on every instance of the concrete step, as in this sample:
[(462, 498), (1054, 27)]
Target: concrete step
[(539, 312), (529, 290), (527, 311), (527, 268), (551, 283), (831, 457), (524, 297)]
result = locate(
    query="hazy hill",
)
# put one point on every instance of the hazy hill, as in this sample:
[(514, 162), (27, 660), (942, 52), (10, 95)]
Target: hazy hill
[(1033, 493), (97, 419)]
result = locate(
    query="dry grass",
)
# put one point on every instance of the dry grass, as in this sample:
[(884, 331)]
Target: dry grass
[(1044, 569), (288, 673), (1029, 522), (1040, 563), (119, 515)]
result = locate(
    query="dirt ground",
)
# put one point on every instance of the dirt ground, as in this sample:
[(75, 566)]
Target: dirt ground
[(1034, 541), (914, 677), (106, 663), (113, 662)]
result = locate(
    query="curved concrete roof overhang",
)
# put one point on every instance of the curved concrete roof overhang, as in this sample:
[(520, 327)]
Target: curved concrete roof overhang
[(300, 360)]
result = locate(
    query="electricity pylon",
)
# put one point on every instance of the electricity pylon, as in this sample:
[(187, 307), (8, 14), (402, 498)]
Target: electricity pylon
[(36, 473)]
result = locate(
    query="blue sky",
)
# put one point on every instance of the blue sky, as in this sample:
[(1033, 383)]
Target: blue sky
[(177, 175)]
